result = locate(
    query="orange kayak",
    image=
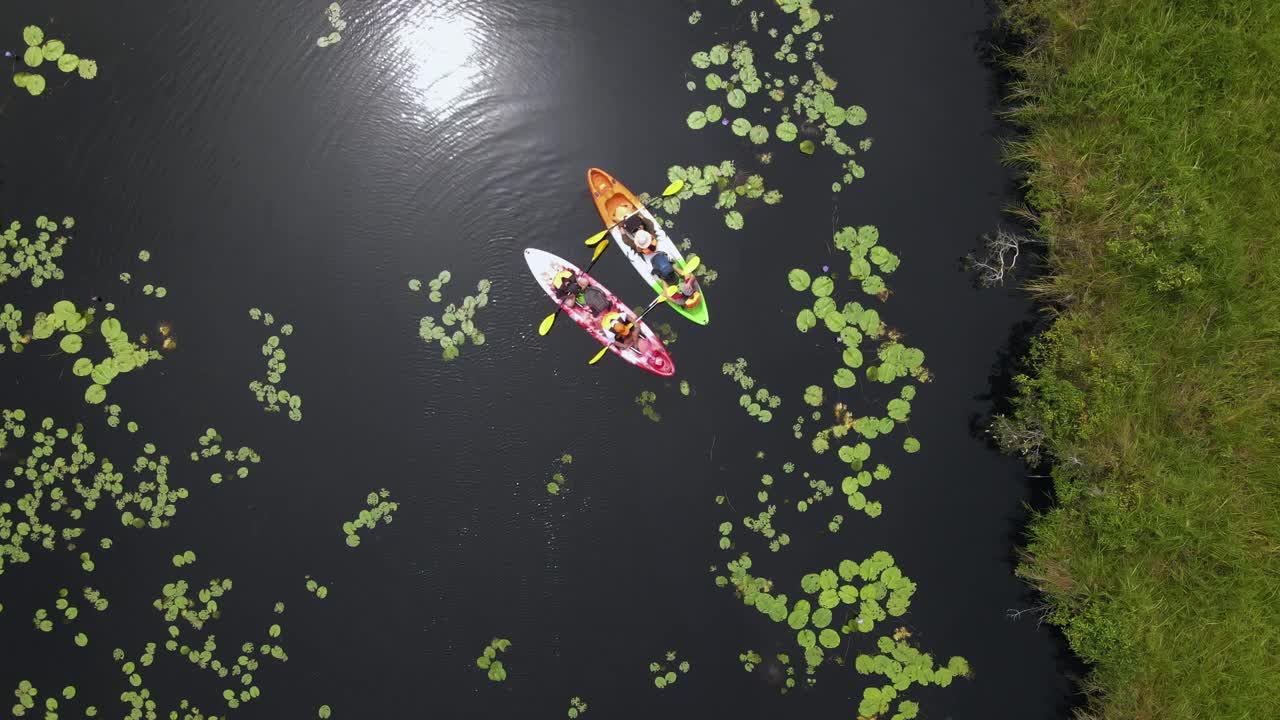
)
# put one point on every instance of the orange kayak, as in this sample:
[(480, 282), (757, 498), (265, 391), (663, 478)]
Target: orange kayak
[(615, 203)]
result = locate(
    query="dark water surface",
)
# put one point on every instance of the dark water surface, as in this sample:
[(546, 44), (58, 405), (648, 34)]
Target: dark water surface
[(263, 171)]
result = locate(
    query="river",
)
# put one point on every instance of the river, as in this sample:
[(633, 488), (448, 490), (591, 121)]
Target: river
[(260, 170)]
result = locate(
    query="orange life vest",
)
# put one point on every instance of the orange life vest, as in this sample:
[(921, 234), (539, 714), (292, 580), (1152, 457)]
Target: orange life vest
[(612, 322)]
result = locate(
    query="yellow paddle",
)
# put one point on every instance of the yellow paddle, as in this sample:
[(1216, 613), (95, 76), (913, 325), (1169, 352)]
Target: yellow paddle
[(550, 320), (672, 189), (691, 264), (656, 301)]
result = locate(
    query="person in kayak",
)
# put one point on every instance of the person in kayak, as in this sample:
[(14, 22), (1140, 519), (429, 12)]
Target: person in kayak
[(619, 329), (686, 284), (639, 234), (565, 283)]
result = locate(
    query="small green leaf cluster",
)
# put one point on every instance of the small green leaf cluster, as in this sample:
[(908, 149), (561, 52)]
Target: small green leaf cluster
[(39, 50), (558, 482), (125, 356), (21, 255), (211, 447), (645, 401), (320, 591), (488, 659), (904, 665), (462, 315), (268, 393), (663, 674), (866, 256), (25, 694), (762, 405), (720, 181), (337, 22), (576, 707), (184, 558), (749, 659), (380, 508)]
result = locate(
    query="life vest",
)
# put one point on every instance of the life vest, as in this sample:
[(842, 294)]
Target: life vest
[(614, 324), (691, 301)]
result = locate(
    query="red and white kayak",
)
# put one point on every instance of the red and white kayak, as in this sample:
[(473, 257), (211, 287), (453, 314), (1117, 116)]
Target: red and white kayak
[(647, 352)]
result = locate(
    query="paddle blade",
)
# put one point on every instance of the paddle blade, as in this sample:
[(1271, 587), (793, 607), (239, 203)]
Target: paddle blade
[(599, 355), (600, 248), (673, 188), (547, 322), (670, 292), (692, 264), (597, 237)]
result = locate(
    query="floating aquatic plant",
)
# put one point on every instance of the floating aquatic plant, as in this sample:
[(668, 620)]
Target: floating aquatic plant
[(334, 15), (489, 661), (664, 671), (559, 483), (268, 392), (211, 447), (723, 181), (380, 508), (61, 481), (38, 258), (40, 50), (462, 315), (576, 707), (645, 400), (789, 107), (760, 405), (320, 591)]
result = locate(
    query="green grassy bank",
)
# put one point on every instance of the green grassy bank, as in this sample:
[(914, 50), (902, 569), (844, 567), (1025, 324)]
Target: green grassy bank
[(1152, 151)]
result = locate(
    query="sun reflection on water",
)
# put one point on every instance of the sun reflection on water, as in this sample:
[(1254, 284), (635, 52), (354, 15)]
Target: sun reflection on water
[(441, 48)]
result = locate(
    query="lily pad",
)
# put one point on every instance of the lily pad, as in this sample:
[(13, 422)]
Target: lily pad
[(798, 279)]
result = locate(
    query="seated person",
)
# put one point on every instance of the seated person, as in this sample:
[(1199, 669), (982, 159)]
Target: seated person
[(685, 283), (593, 297), (619, 329), (565, 284)]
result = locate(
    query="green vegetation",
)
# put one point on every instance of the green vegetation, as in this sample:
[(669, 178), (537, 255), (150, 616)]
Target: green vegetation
[(39, 50), (645, 401), (763, 403), (269, 394), (20, 255), (664, 671), (1150, 152), (462, 315), (334, 15), (320, 591), (489, 661), (559, 483), (379, 508), (576, 707), (788, 103)]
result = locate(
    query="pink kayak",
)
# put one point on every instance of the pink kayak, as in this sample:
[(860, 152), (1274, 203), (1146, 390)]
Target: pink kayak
[(647, 352)]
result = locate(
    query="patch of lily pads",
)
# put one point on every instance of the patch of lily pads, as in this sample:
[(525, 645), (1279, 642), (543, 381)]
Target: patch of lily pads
[(41, 50), (267, 391), (337, 23), (664, 671), (21, 255), (559, 483), (725, 183), (457, 322), (783, 99), (489, 662), (379, 509), (760, 405)]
